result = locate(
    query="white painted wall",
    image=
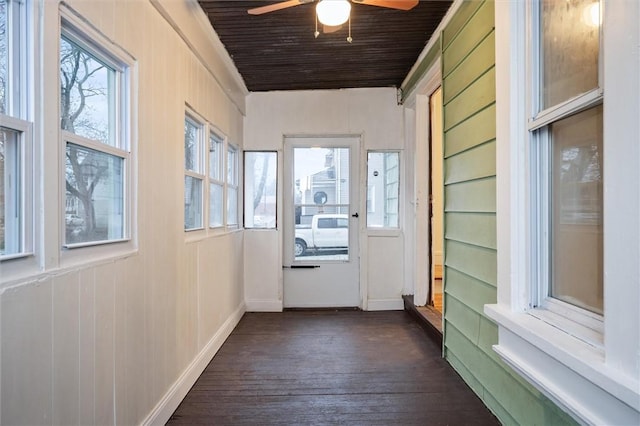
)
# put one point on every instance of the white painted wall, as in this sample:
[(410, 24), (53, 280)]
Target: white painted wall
[(375, 116), (119, 337)]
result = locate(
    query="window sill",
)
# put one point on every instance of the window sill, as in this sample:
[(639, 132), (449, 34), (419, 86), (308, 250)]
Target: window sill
[(569, 371)]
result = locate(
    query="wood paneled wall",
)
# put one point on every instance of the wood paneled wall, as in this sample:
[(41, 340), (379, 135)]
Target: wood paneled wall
[(108, 339)]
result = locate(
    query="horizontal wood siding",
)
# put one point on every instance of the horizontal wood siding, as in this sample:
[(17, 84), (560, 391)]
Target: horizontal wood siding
[(469, 87)]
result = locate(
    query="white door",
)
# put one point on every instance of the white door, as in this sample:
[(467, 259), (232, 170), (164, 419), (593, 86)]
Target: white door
[(321, 222)]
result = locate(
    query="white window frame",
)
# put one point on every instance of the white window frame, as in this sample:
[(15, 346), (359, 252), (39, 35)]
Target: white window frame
[(96, 44), (371, 208), (579, 322), (232, 183), (596, 384), (199, 170), (244, 191), (219, 180), (17, 119)]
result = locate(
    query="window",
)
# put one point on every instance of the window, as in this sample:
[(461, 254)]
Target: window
[(567, 152), (567, 267), (15, 135), (193, 174), (232, 185), (383, 189), (260, 189), (216, 181), (94, 122)]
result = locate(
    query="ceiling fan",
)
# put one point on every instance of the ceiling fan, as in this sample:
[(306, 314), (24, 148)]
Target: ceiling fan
[(333, 13)]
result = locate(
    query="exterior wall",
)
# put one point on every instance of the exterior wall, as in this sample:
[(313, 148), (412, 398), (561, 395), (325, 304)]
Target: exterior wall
[(468, 69), (371, 113), (116, 338)]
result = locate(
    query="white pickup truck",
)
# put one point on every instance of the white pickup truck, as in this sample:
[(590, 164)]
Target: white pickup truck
[(327, 231)]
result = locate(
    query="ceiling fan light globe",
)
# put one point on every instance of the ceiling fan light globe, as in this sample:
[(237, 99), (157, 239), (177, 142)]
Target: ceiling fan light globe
[(333, 12)]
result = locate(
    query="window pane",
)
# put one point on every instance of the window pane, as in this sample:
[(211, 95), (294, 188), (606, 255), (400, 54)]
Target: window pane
[(577, 249), (215, 205), (232, 206), (87, 94), (260, 189), (232, 166), (10, 191), (192, 203), (215, 157), (191, 146), (94, 207), (4, 57), (570, 46), (383, 189)]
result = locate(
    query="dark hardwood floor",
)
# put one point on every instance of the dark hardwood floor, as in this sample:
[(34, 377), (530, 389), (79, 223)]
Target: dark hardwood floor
[(330, 367)]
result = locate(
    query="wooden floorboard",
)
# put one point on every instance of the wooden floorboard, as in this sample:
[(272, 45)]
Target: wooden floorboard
[(330, 367)]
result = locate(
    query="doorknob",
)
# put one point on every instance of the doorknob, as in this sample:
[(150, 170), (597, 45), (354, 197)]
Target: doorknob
[(355, 215)]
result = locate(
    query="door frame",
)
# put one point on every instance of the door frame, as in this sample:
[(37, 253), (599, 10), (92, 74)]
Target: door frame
[(287, 174), (422, 166)]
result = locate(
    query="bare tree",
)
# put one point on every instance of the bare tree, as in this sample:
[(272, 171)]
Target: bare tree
[(85, 168), (3, 82), (259, 191)]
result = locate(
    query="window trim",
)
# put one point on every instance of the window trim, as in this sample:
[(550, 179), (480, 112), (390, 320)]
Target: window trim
[(539, 185), (232, 185), (73, 27), (18, 118), (25, 204), (384, 230), (594, 385)]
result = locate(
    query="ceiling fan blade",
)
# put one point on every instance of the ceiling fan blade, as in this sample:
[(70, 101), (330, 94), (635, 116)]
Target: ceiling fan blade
[(276, 6), (327, 29), (391, 4)]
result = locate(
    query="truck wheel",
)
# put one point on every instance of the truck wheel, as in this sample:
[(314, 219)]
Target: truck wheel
[(300, 247)]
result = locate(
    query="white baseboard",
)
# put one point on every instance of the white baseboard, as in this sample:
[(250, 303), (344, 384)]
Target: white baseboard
[(385, 304), (176, 393), (263, 305)]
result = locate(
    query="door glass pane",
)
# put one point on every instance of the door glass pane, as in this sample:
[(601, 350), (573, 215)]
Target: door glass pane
[(260, 189), (321, 203), (570, 45), (577, 248)]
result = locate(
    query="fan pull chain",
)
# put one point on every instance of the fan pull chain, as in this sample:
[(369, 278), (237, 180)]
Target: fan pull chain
[(349, 39), (317, 33)]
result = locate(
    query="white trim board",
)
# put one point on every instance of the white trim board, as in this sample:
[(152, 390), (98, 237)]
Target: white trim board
[(385, 305), (264, 305), (176, 393)]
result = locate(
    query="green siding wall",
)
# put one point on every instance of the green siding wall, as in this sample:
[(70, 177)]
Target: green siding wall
[(468, 69)]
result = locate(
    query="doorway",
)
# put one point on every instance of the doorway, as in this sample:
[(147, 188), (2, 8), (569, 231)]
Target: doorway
[(321, 222), (436, 201)]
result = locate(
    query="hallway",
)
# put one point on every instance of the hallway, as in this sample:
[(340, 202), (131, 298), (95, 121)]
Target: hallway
[(330, 367)]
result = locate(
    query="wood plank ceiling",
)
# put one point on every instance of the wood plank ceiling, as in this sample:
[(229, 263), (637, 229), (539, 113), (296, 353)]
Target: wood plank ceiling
[(278, 51)]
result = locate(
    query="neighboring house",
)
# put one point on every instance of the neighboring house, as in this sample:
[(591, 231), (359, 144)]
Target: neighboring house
[(118, 333), (330, 184)]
